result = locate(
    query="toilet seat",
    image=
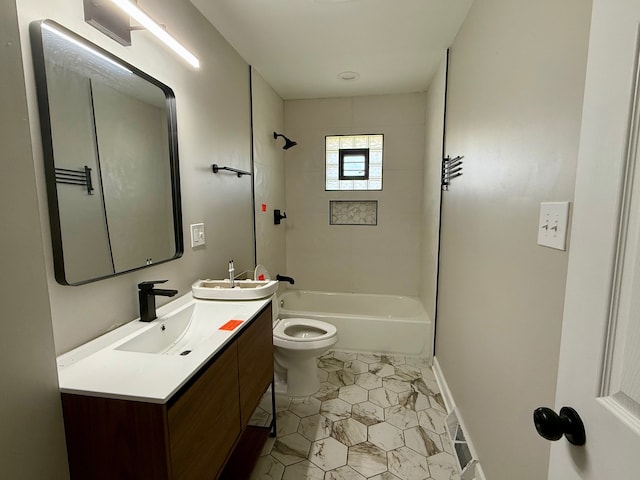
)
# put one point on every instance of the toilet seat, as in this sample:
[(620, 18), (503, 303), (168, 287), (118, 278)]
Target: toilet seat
[(303, 333)]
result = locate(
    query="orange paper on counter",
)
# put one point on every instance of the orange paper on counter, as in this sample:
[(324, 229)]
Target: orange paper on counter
[(231, 325)]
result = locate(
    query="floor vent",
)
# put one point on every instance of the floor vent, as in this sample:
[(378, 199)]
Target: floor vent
[(468, 466)]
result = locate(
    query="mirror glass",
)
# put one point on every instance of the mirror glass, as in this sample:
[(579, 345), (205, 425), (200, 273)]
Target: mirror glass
[(111, 159)]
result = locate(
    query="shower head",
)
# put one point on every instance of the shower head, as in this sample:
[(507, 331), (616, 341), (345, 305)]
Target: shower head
[(287, 143)]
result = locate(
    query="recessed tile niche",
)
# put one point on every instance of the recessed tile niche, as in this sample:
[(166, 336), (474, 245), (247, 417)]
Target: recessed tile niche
[(348, 212)]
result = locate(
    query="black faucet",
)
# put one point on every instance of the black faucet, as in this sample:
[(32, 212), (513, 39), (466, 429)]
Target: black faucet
[(282, 278), (147, 298)]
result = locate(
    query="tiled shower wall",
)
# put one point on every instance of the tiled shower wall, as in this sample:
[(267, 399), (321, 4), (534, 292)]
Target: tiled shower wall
[(345, 258)]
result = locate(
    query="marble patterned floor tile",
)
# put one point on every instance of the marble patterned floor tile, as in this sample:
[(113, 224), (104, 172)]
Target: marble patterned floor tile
[(386, 436), (413, 400), (336, 409), (400, 417), (291, 449), (442, 467), (432, 420), (385, 476), (396, 385), (369, 357), (353, 394), (367, 459), (349, 432), (330, 364), (356, 366), (328, 453), (315, 427), (341, 378), (407, 372), (423, 441), (327, 391), (343, 473), (303, 471), (382, 369), (267, 468), (408, 465), (375, 417), (345, 356), (367, 413), (305, 406), (368, 380), (286, 422), (383, 397)]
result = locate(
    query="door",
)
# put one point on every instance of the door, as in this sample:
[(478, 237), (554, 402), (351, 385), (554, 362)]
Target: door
[(599, 373)]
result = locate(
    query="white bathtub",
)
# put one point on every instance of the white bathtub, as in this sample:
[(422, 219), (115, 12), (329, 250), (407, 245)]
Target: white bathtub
[(390, 324)]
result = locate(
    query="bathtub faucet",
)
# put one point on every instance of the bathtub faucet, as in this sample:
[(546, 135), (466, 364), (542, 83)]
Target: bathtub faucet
[(282, 278)]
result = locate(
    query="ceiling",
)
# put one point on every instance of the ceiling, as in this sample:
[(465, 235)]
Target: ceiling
[(300, 46)]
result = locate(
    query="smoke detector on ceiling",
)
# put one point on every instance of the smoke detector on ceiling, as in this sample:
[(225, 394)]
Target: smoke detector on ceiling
[(348, 76)]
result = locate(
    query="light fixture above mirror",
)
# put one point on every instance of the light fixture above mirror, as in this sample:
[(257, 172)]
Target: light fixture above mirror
[(112, 17)]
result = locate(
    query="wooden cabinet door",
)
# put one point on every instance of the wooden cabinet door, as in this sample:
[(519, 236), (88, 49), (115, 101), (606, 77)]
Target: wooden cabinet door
[(255, 362), (204, 423)]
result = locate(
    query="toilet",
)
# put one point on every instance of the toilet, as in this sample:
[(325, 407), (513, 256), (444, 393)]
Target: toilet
[(297, 343)]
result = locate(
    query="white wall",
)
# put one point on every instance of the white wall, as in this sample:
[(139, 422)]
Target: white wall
[(268, 116), (213, 114), (516, 81), (32, 438), (363, 259)]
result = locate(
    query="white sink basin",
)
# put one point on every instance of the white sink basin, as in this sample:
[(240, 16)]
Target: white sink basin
[(169, 334), (242, 290)]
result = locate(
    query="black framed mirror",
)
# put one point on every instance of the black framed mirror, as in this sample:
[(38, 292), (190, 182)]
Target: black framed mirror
[(110, 147)]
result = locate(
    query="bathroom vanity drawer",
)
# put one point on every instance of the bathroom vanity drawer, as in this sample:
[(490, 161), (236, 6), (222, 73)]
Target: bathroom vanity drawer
[(255, 363), (204, 422)]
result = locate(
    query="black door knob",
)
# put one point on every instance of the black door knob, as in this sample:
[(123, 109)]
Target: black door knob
[(552, 426)]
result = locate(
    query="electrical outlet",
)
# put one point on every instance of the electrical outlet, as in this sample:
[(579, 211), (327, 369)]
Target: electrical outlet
[(553, 225), (197, 235)]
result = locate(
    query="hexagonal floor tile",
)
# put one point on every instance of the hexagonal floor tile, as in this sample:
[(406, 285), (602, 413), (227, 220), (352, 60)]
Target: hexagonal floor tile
[(401, 417), (432, 420), (267, 468), (315, 427), (367, 459), (367, 413), (356, 366), (349, 432), (413, 400), (341, 378), (396, 385), (385, 476), (291, 449), (442, 466), (382, 369), (368, 380), (305, 406), (330, 364), (286, 422), (408, 372), (343, 473), (423, 441), (369, 358), (353, 394), (326, 391), (306, 470), (335, 409), (328, 453), (386, 436), (408, 465), (383, 397), (345, 356)]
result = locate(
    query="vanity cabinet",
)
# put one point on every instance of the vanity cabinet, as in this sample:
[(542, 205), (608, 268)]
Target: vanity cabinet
[(191, 436)]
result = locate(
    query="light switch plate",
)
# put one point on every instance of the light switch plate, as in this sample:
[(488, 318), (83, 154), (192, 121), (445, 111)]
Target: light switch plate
[(553, 225), (197, 234)]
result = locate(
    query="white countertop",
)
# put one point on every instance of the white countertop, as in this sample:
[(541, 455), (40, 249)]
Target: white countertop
[(98, 369)]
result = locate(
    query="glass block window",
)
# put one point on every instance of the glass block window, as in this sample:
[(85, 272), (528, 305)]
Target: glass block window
[(353, 162)]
